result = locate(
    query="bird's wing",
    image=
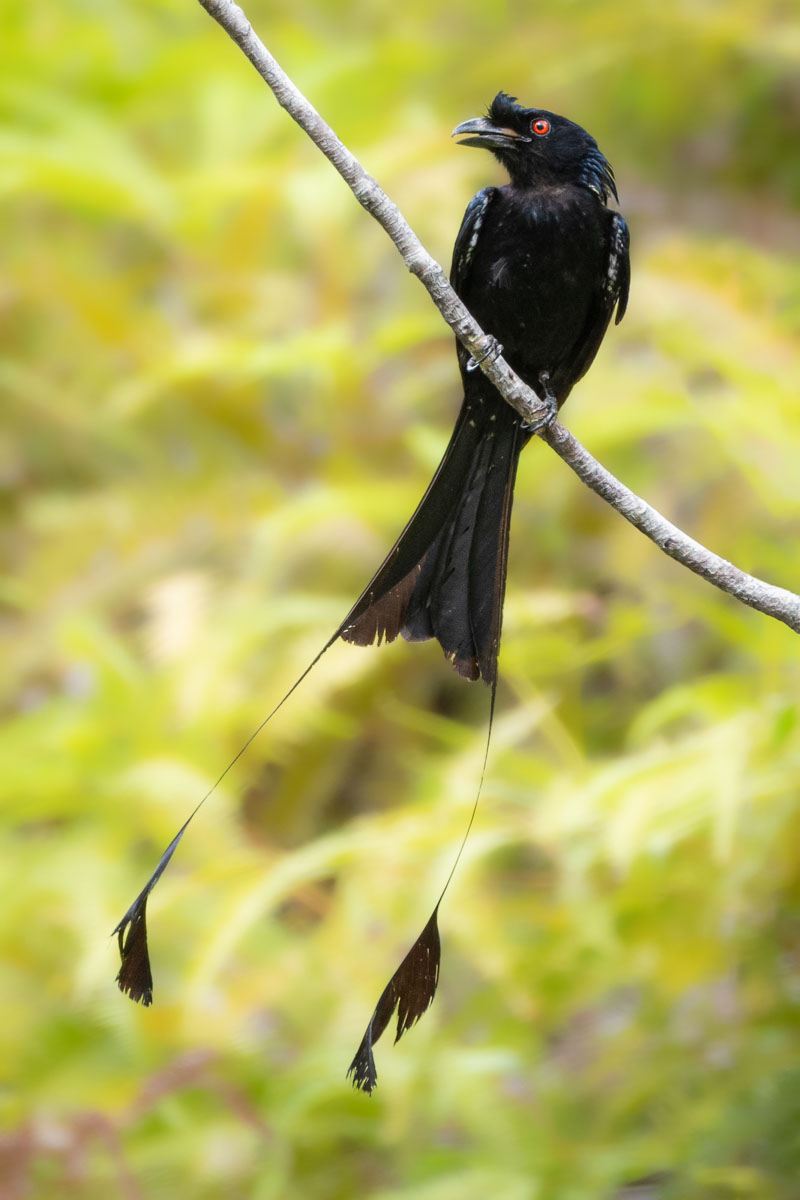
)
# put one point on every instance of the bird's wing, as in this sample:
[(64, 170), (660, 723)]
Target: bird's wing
[(618, 270), (468, 234), (612, 293)]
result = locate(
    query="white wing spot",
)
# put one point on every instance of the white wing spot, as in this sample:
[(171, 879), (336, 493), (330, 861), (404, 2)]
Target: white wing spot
[(466, 257), (612, 268)]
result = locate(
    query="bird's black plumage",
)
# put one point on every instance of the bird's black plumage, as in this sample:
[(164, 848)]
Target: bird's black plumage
[(541, 263)]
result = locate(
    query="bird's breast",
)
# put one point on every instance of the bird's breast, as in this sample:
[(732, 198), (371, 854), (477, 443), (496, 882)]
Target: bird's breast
[(537, 270)]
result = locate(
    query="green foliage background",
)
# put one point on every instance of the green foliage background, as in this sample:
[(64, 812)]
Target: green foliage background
[(222, 397)]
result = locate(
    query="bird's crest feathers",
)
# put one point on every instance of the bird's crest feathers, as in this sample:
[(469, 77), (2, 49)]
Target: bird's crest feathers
[(567, 145)]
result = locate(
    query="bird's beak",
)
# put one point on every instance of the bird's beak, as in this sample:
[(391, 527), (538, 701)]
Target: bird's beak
[(481, 132)]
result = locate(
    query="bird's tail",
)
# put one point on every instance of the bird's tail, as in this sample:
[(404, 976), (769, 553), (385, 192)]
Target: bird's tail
[(445, 576)]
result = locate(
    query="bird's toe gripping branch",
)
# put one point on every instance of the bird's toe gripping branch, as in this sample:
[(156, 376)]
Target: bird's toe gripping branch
[(550, 403), (493, 350)]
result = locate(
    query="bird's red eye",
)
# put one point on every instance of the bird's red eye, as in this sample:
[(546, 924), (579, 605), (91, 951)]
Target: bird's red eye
[(540, 126)]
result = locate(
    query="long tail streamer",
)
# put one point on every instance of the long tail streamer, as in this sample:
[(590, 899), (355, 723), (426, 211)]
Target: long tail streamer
[(413, 986), (135, 976), (410, 990)]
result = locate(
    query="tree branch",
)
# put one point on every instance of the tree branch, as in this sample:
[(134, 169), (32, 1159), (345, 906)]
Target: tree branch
[(773, 601)]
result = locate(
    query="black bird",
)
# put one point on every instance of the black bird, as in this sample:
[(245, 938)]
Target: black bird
[(541, 264)]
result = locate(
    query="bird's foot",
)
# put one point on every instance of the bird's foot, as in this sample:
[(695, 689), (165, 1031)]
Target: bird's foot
[(550, 403), (493, 350)]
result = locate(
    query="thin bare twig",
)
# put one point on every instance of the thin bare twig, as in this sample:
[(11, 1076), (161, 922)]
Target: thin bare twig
[(766, 598)]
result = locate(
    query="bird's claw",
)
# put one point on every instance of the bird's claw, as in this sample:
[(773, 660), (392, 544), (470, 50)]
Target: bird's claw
[(493, 350), (550, 403)]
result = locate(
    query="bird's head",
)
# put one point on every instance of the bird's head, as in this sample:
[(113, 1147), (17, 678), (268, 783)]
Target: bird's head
[(537, 146)]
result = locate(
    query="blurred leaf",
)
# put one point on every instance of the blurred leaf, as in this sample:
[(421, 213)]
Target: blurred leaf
[(222, 398)]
